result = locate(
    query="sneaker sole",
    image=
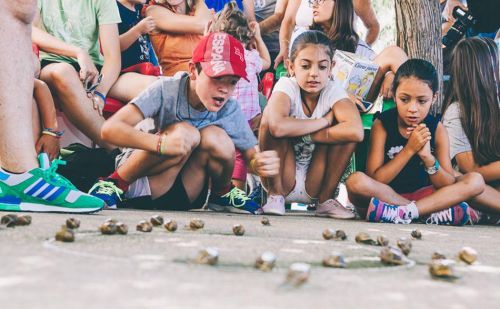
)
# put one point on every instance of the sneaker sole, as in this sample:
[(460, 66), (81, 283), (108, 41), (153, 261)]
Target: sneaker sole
[(33, 207), (335, 216), (274, 213), (220, 208)]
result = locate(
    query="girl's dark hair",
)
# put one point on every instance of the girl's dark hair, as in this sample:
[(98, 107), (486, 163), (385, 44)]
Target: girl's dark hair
[(313, 37), (232, 21), (341, 31), (420, 69), (474, 84)]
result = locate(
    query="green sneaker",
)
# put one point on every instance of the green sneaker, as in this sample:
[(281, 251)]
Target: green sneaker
[(43, 190)]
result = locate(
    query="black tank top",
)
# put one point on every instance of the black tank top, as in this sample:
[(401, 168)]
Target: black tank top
[(413, 176)]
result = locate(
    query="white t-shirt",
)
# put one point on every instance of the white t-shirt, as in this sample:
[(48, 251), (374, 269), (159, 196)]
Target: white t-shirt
[(330, 95)]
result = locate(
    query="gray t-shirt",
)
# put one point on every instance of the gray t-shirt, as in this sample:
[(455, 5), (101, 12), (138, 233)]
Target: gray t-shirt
[(458, 140), (264, 9), (166, 102)]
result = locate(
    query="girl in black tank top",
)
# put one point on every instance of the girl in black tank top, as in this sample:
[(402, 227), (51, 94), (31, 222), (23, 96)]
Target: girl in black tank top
[(409, 172)]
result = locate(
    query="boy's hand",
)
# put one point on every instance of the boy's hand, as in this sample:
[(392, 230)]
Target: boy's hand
[(88, 71), (425, 153), (176, 143), (330, 117), (49, 145), (386, 88), (146, 25), (419, 136), (266, 163), (98, 103)]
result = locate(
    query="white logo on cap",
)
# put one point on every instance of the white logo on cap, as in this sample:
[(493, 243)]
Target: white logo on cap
[(238, 53), (217, 50)]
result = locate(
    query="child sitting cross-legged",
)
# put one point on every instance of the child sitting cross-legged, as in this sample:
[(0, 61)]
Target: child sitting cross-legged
[(198, 127), (409, 173)]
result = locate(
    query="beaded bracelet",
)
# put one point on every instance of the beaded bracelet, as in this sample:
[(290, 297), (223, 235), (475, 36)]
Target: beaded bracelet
[(100, 95)]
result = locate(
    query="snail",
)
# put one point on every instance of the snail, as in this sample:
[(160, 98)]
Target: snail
[(196, 224), (65, 234), (468, 255), (340, 235), (23, 220), (266, 261), (416, 234), (156, 220), (405, 245), (364, 238), (9, 220), (438, 256), (265, 221), (170, 225), (238, 230), (111, 220), (298, 273), (208, 256), (382, 241), (442, 268), (328, 234), (121, 228), (144, 226), (72, 223), (334, 260), (392, 256), (108, 228)]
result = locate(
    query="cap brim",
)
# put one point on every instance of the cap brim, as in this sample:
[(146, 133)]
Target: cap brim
[(224, 68)]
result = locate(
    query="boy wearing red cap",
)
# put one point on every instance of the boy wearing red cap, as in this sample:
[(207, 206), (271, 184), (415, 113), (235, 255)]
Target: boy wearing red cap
[(197, 127)]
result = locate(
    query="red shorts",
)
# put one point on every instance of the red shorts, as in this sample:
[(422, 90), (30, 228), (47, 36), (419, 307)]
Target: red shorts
[(419, 194)]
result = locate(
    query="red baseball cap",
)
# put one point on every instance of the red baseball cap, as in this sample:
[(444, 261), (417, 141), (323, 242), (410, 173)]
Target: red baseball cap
[(220, 54)]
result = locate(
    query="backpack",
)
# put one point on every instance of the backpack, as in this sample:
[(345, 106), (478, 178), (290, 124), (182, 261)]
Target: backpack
[(85, 165)]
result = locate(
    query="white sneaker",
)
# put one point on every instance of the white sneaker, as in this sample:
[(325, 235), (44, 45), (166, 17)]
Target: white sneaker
[(333, 209), (275, 205)]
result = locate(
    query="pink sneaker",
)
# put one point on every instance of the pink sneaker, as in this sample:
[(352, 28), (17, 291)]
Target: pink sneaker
[(275, 205), (333, 209)]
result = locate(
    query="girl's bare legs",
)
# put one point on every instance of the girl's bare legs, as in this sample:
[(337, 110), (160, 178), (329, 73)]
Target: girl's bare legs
[(130, 85)]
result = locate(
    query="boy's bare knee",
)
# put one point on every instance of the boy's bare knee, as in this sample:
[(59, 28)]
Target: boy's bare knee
[(60, 77), (357, 182), (216, 141)]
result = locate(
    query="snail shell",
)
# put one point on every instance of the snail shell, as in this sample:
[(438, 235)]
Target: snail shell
[(416, 234), (121, 228), (468, 255), (144, 226), (405, 245), (9, 220), (111, 220), (298, 273), (72, 223), (266, 261), (340, 235), (364, 238), (171, 225), (334, 260), (196, 224), (438, 256), (238, 230), (208, 256), (156, 220), (328, 234), (392, 256), (442, 268), (23, 220), (265, 221), (65, 234), (108, 228), (382, 241)]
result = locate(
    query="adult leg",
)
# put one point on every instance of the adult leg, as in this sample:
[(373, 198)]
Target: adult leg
[(69, 92), (17, 147), (130, 85)]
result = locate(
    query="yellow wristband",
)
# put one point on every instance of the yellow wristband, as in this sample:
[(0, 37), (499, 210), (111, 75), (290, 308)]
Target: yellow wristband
[(252, 165)]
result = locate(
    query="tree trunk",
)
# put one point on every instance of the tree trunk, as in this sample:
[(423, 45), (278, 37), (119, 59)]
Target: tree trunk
[(418, 26)]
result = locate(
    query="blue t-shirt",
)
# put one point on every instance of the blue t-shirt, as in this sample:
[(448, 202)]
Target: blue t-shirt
[(166, 102), (138, 52), (218, 5)]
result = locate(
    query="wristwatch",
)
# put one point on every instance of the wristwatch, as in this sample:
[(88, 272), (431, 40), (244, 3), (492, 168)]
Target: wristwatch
[(433, 169)]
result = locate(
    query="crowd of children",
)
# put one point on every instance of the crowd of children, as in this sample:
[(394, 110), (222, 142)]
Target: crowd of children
[(189, 138)]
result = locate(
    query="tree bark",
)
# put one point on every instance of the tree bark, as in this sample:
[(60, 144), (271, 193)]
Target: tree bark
[(418, 27)]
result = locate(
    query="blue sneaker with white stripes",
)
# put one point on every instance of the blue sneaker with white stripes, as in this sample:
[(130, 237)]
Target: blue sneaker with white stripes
[(43, 190)]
